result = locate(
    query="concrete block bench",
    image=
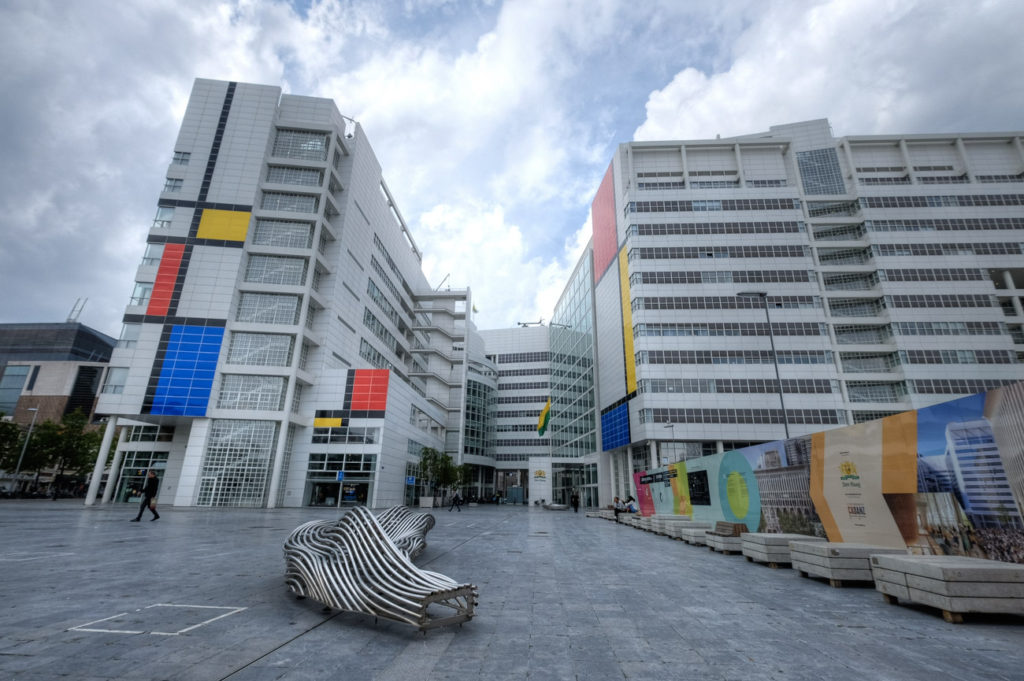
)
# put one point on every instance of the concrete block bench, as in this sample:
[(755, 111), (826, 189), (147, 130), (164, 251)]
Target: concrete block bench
[(694, 535), (675, 529), (664, 524), (953, 584), (837, 562), (725, 538), (770, 548)]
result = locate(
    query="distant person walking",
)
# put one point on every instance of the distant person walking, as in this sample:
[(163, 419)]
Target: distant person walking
[(149, 497), (456, 502), (574, 500)]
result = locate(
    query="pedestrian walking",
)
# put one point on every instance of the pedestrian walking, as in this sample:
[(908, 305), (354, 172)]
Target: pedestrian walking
[(456, 502), (574, 500), (149, 497)]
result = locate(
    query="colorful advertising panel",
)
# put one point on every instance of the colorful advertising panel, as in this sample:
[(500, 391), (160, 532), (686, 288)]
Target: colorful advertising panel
[(943, 480)]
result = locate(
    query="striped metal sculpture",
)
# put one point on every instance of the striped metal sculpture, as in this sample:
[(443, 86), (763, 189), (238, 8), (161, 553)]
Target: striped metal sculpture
[(354, 565), (406, 529)]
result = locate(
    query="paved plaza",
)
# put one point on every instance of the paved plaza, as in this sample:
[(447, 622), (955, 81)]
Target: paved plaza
[(199, 595)]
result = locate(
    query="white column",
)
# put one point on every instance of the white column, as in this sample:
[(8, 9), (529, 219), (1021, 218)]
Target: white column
[(686, 174), (101, 461), (652, 446), (848, 153), (115, 467), (905, 153), (1008, 280), (739, 166), (963, 158)]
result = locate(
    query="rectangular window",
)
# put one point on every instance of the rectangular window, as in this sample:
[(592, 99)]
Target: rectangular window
[(140, 296), (164, 215), (173, 184), (260, 349), (115, 381), (301, 144), (251, 392), (268, 308), (153, 254), (283, 233), (129, 335), (292, 203), (309, 177), (181, 158), (273, 269)]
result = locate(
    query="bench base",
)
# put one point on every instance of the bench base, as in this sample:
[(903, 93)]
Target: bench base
[(953, 584)]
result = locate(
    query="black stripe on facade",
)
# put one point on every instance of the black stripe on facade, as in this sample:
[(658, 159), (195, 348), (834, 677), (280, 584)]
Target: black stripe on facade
[(158, 365), (172, 309)]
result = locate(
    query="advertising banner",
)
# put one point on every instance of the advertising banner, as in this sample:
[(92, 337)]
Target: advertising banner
[(942, 480)]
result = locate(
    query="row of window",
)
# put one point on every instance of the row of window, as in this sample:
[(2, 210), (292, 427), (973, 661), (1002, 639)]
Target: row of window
[(718, 277), (735, 385), (967, 200), (727, 416), (346, 435), (691, 252), (944, 224), (959, 356), (518, 357), (935, 274), (730, 329), (948, 328), (532, 371), (348, 462), (535, 385), (523, 399), (955, 386), (711, 205), (722, 302), (283, 233), (696, 228), (1008, 248), (538, 443), (733, 357)]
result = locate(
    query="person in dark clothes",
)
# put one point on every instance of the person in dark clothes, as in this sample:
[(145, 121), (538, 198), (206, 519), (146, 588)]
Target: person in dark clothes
[(149, 497), (574, 500), (456, 503)]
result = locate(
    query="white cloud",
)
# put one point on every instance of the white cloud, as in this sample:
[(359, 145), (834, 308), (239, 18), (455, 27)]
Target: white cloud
[(484, 116), (869, 66)]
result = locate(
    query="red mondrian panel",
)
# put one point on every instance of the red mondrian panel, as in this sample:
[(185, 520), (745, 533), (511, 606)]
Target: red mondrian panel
[(370, 389), (166, 276), (603, 221)]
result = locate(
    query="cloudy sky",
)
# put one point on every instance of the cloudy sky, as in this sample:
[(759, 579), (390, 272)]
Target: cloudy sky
[(494, 121)]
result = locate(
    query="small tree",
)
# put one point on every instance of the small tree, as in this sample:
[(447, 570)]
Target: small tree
[(10, 444), (65, 446), (430, 460)]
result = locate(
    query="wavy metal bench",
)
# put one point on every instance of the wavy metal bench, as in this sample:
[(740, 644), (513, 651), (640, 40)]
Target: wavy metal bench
[(406, 529), (353, 565)]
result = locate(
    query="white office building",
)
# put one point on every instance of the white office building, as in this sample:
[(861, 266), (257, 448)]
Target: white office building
[(282, 346), (869, 274)]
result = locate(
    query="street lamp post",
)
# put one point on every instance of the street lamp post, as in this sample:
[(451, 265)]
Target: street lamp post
[(28, 436), (763, 295)]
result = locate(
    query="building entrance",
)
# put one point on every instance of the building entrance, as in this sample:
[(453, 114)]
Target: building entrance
[(330, 493), (132, 478)]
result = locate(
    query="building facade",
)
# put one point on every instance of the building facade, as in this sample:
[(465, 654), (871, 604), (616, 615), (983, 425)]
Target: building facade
[(282, 346), (772, 285)]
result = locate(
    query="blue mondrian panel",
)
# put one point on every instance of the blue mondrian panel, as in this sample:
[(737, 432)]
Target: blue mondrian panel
[(186, 376), (615, 427)]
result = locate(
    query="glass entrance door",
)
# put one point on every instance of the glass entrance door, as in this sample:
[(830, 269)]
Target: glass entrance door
[(132, 478)]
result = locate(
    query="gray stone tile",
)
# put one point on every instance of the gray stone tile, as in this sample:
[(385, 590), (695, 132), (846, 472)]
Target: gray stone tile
[(561, 597)]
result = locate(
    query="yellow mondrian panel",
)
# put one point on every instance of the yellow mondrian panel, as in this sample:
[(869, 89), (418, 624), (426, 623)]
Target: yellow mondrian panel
[(627, 322), (327, 423), (229, 225)]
